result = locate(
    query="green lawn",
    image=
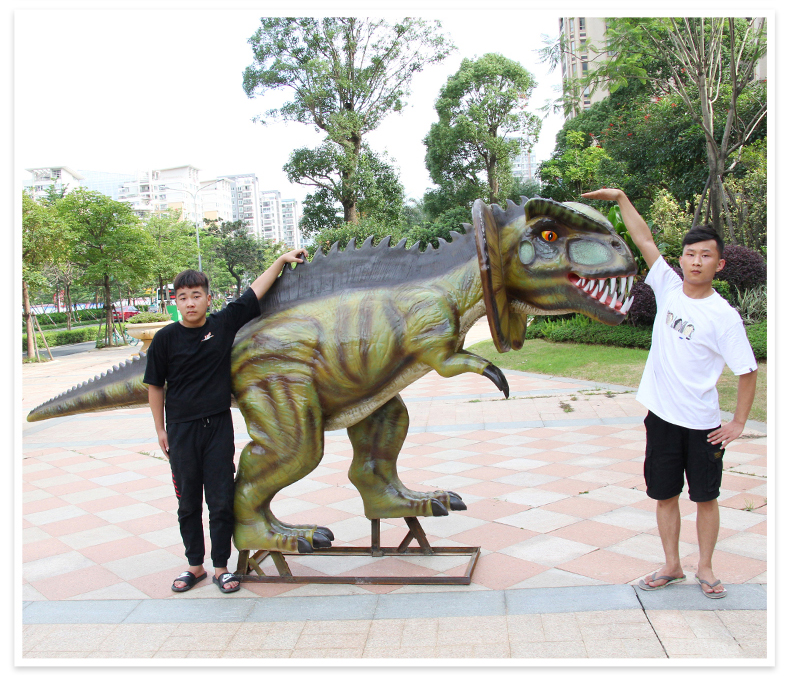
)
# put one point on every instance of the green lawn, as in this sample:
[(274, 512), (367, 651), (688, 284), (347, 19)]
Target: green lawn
[(615, 365)]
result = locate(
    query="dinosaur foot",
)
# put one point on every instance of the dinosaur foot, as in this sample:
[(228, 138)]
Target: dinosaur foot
[(278, 537), (413, 503)]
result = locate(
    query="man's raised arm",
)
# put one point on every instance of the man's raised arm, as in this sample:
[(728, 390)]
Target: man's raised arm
[(637, 228)]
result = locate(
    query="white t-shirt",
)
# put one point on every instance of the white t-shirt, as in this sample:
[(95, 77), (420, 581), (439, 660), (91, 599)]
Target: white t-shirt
[(692, 340)]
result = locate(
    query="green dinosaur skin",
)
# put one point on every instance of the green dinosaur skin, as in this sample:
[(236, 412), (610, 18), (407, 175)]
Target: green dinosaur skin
[(340, 360)]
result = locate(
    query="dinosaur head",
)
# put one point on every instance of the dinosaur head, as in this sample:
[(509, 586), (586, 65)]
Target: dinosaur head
[(544, 257)]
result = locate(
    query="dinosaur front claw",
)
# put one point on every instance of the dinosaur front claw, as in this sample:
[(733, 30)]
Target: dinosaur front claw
[(498, 378)]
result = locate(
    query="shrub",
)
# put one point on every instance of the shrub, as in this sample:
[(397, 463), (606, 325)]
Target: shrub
[(149, 317), (745, 268), (723, 288), (58, 317), (584, 331), (752, 304), (758, 338), (56, 338), (643, 308)]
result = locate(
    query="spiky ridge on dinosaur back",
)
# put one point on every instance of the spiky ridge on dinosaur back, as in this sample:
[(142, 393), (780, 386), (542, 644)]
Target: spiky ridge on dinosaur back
[(365, 268), (119, 387)]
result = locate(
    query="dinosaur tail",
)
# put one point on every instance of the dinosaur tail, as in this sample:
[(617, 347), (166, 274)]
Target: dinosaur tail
[(120, 387)]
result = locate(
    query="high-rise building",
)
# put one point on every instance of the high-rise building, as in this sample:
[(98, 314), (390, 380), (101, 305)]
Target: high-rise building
[(580, 33), (577, 60), (61, 177), (291, 214), (269, 203), (524, 165), (244, 201), (107, 183)]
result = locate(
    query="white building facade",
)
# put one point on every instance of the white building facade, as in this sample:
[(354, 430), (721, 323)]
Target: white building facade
[(59, 176)]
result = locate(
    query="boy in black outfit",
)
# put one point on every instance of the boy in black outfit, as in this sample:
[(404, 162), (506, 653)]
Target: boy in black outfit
[(193, 358)]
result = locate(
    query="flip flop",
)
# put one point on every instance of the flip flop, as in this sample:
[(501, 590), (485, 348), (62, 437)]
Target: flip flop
[(225, 578), (710, 595), (669, 581), (189, 578)]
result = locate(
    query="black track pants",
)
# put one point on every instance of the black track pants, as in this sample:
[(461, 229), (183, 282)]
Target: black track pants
[(201, 456)]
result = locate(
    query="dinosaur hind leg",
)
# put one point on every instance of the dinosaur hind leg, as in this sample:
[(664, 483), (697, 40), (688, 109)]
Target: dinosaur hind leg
[(285, 423), (377, 441)]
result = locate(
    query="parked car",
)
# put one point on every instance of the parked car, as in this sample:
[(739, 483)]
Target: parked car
[(128, 312)]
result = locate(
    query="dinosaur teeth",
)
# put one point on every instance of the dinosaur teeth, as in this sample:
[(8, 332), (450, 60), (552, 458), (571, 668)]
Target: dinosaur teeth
[(630, 283), (613, 302), (603, 296), (580, 282), (589, 286), (623, 283), (600, 284), (624, 309), (612, 284)]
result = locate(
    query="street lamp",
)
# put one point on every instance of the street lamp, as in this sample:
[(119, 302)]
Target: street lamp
[(198, 216)]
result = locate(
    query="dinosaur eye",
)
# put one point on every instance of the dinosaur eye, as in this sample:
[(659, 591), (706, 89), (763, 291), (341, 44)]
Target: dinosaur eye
[(548, 236)]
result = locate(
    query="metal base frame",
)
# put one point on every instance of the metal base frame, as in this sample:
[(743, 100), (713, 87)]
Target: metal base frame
[(249, 563)]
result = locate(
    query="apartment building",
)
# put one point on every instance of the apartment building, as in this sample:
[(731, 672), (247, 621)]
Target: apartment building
[(244, 201), (525, 164), (577, 60), (270, 207), (59, 176), (291, 214)]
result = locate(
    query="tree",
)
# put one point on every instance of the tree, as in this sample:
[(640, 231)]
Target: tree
[(708, 63), (109, 241), (577, 170), (42, 234), (346, 74), (467, 150), (378, 191), (173, 240), (244, 255)]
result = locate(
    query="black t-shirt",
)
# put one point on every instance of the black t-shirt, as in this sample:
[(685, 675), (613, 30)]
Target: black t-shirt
[(195, 362)]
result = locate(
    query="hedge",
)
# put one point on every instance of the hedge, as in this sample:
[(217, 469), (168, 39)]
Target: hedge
[(758, 338), (56, 338), (58, 317), (626, 335), (592, 333)]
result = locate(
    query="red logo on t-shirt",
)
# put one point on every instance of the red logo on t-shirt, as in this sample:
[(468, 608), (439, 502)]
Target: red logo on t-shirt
[(207, 337)]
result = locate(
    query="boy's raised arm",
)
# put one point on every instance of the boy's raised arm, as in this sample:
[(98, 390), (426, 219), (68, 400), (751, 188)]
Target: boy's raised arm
[(637, 228), (262, 284)]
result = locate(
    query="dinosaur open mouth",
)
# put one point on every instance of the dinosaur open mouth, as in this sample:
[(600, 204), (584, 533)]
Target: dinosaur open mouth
[(611, 292)]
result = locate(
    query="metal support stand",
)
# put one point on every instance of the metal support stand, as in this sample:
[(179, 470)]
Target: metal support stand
[(249, 566)]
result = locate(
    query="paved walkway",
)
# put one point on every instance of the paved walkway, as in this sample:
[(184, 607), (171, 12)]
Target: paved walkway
[(552, 480)]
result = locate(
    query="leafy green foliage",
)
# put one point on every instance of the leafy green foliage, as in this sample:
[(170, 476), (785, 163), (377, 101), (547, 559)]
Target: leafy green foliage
[(758, 338), (468, 154), (583, 331), (360, 231), (148, 317), (244, 255), (56, 338), (345, 74), (752, 304), (616, 220), (744, 268)]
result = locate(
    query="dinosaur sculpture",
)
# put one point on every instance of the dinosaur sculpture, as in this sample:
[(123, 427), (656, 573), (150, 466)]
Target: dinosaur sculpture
[(339, 337)]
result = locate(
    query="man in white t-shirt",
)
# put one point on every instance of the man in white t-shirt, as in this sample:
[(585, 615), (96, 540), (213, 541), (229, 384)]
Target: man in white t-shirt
[(695, 333)]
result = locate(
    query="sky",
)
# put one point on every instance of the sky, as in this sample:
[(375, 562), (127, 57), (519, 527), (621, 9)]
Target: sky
[(139, 89)]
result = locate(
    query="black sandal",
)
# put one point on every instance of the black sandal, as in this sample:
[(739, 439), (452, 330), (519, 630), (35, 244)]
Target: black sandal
[(223, 579), (189, 578)]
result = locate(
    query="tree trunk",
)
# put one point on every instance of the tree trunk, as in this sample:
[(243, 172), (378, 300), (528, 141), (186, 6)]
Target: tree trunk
[(108, 312), (31, 338), (68, 306)]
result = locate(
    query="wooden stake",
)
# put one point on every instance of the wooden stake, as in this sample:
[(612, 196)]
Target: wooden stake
[(35, 318)]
